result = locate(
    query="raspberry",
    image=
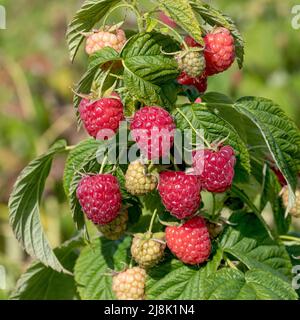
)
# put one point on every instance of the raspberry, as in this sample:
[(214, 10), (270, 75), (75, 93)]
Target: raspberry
[(191, 62), (200, 83), (153, 129), (190, 242), (137, 182), (148, 249), (100, 197), (198, 100), (115, 229), (219, 51), (100, 39), (180, 193), (130, 284), (102, 117), (215, 168), (295, 211)]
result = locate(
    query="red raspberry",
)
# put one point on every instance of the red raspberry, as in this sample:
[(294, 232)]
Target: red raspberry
[(198, 100), (219, 51), (100, 198), (180, 193), (215, 168), (200, 83), (153, 129), (101, 39), (102, 117), (190, 242), (185, 80)]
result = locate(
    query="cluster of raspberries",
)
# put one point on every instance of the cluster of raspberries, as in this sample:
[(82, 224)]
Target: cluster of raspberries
[(217, 56), (153, 130), (213, 170)]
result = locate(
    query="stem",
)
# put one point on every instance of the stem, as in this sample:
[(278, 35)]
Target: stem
[(103, 164), (151, 165), (131, 263), (214, 205), (129, 6), (176, 34), (116, 76), (103, 80), (70, 148), (191, 125), (230, 263), (152, 221), (289, 238)]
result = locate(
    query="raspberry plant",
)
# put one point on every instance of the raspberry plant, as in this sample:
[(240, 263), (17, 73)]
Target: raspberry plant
[(222, 248)]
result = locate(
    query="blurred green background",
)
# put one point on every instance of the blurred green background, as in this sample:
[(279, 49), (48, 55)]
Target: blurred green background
[(35, 95)]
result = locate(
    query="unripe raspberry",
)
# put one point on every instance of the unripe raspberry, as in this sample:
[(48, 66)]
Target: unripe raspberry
[(101, 118), (191, 62), (153, 129), (295, 211), (137, 181), (130, 284), (219, 51), (100, 198), (190, 242), (148, 249), (180, 193), (115, 229), (100, 39)]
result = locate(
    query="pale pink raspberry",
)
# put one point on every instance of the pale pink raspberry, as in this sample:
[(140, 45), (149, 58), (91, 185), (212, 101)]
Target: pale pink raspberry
[(101, 39)]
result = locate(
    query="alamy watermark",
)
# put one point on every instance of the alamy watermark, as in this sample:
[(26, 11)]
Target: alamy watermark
[(296, 279), (2, 17), (2, 278), (296, 18), (162, 146)]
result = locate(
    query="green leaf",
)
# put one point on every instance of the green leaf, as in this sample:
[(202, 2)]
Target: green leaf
[(181, 12), (231, 284), (270, 194), (147, 71), (280, 133), (89, 14), (244, 197), (216, 18), (24, 214), (173, 280), (94, 265), (94, 71), (223, 106), (43, 283), (77, 157), (248, 241), (266, 129), (198, 116)]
